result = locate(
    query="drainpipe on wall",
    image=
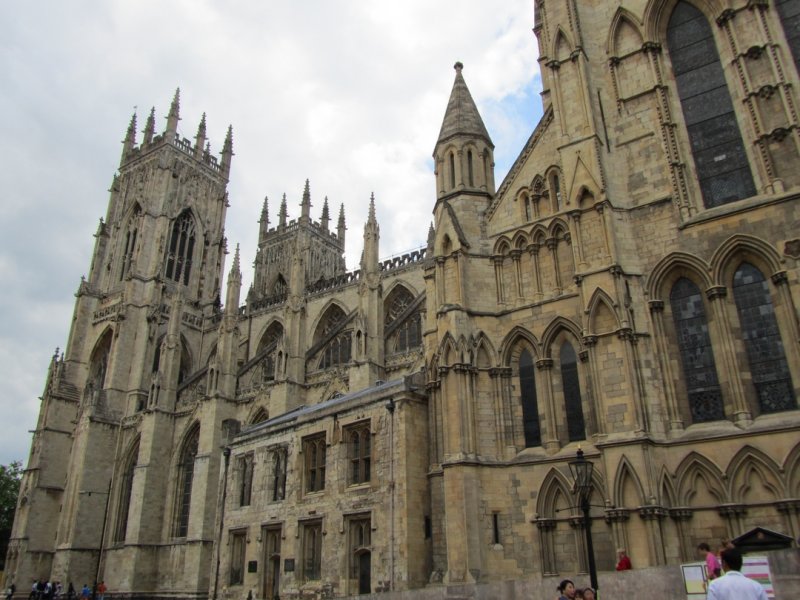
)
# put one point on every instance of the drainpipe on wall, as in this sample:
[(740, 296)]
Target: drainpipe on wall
[(390, 406)]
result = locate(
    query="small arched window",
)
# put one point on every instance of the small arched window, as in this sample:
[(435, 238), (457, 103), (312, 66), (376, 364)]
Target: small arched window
[(452, 171), (181, 248), (131, 234), (697, 355), (722, 167), (337, 343), (769, 369), (402, 323), (470, 172)]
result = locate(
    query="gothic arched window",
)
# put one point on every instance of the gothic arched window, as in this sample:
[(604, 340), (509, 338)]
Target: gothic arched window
[(181, 248), (267, 350), (576, 426), (131, 233), (402, 323), (530, 405), (697, 355), (452, 171), (98, 365), (183, 489), (769, 369), (722, 167), (336, 343), (470, 173), (278, 482), (125, 490)]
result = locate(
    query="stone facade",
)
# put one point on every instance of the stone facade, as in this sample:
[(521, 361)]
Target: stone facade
[(630, 289)]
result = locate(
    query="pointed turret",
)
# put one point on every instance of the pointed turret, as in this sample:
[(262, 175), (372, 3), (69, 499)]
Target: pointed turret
[(464, 150), (234, 286), (263, 222), (282, 213), (431, 239), (340, 227), (227, 151), (369, 258), (200, 138), (150, 127), (326, 217), (174, 115), (130, 138), (305, 205)]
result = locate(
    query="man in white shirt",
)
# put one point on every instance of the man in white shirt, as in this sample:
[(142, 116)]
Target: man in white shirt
[(733, 585)]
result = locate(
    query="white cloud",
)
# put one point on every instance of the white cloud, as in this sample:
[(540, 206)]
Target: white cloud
[(349, 94)]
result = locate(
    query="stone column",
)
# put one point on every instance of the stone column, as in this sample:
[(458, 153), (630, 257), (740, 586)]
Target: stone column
[(790, 511), (733, 514), (552, 245), (576, 522), (590, 343), (662, 347), (724, 353), (617, 518), (652, 516), (550, 440), (578, 245), (537, 271), (546, 528), (498, 278), (515, 255), (682, 516)]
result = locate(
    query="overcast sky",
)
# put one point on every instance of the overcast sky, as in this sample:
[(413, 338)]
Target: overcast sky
[(349, 94)]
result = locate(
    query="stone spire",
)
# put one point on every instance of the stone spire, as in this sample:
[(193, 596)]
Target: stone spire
[(263, 222), (340, 227), (326, 217), (370, 256), (234, 285), (305, 205), (431, 239), (200, 138), (130, 138), (227, 151), (150, 127), (282, 213), (462, 116), (174, 114)]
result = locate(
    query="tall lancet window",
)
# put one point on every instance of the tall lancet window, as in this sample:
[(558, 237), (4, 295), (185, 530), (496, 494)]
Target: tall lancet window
[(576, 426), (131, 235), (769, 369), (181, 248), (530, 405), (789, 12), (183, 495), (697, 356), (125, 489), (716, 141)]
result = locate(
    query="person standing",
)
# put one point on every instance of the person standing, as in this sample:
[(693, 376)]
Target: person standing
[(623, 560), (712, 563), (85, 592), (567, 590), (733, 585), (101, 590)]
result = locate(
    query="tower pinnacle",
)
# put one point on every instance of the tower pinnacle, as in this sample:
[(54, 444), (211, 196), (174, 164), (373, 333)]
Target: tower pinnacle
[(149, 127), (200, 138), (174, 114)]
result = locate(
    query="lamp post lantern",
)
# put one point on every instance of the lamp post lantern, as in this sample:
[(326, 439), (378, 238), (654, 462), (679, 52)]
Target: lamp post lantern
[(581, 470)]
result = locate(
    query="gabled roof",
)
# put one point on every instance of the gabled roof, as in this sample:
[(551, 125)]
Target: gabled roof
[(462, 116)]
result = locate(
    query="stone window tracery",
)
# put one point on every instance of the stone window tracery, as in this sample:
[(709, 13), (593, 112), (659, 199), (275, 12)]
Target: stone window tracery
[(183, 497), (697, 355), (337, 350), (125, 490), (131, 234), (720, 160), (314, 450), (312, 550), (576, 425), (769, 369), (530, 407), (181, 248), (278, 480), (359, 451), (245, 468), (403, 328)]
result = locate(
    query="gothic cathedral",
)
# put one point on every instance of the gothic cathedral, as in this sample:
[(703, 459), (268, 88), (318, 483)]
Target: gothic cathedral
[(630, 289)]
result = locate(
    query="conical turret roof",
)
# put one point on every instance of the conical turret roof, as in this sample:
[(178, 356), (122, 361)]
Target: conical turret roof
[(462, 116)]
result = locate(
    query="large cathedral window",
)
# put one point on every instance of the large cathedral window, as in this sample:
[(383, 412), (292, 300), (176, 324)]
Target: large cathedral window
[(131, 234), (268, 349), (402, 322), (697, 356), (181, 248), (183, 496), (530, 405), (720, 160), (769, 369), (576, 426)]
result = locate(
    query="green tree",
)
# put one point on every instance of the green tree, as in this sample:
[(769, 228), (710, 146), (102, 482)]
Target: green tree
[(10, 476)]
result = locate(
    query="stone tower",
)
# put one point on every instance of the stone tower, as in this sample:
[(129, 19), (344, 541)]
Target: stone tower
[(139, 329)]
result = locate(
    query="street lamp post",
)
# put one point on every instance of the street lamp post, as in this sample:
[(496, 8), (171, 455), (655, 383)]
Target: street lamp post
[(581, 470)]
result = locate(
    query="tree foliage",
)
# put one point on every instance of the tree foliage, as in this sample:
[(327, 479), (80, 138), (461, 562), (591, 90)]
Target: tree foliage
[(10, 477)]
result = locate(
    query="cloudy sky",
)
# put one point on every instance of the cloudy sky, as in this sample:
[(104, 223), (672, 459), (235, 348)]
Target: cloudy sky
[(347, 93)]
